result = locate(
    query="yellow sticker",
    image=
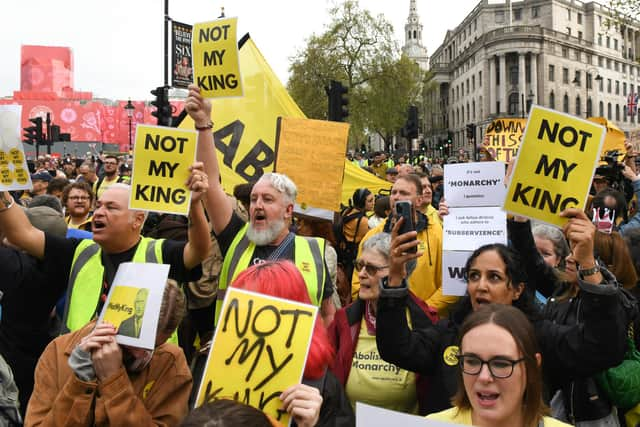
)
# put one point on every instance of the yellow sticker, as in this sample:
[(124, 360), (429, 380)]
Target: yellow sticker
[(147, 389), (4, 160), (17, 158), (6, 177), (421, 246), (450, 355), (21, 175)]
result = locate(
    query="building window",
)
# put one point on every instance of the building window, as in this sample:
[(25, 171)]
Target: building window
[(615, 44), (608, 63), (565, 103), (608, 85), (473, 83), (513, 71), (624, 68), (601, 85), (589, 59), (601, 109), (624, 113), (479, 78), (578, 55), (624, 88), (475, 24), (552, 100), (608, 42), (569, 31), (467, 86), (616, 66), (576, 79), (600, 61), (535, 11), (579, 35), (569, 14), (617, 112), (617, 87), (552, 72), (609, 111), (499, 16), (579, 18), (589, 81), (517, 14), (565, 75), (578, 106), (565, 52), (514, 101), (589, 108), (599, 39)]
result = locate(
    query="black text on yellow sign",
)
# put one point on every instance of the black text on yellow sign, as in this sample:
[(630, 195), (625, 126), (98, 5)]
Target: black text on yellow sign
[(215, 58), (555, 165), (162, 157)]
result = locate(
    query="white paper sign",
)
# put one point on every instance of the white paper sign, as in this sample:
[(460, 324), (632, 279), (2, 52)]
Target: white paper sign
[(14, 172), (466, 229), (133, 303), (453, 271), (372, 416), (474, 184)]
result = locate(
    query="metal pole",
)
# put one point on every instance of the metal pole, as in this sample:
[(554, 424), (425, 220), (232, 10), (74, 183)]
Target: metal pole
[(129, 134), (166, 42)]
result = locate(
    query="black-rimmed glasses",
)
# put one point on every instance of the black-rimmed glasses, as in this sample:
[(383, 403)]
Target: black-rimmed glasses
[(499, 367), (369, 268)]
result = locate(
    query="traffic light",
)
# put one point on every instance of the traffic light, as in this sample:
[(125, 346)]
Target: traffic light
[(55, 134), (163, 106), (471, 131), (338, 101), (33, 134), (411, 127), (449, 137)]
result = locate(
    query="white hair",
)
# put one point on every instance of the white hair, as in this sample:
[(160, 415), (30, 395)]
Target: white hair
[(282, 184)]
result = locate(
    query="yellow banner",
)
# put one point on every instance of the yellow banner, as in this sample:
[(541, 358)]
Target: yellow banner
[(258, 351), (553, 172), (613, 140), (161, 160), (216, 68), (245, 128), (311, 153), (502, 138)]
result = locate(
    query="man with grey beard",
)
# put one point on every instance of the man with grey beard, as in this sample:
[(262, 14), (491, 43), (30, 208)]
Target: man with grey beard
[(266, 236)]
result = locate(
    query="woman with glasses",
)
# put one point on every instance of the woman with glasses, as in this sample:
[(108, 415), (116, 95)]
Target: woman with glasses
[(77, 198), (500, 375), (358, 365), (496, 274)]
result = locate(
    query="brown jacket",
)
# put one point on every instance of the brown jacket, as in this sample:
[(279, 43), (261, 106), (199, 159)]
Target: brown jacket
[(157, 396)]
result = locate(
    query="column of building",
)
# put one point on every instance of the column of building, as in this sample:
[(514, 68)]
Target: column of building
[(522, 82), (491, 78), (534, 77), (503, 83)]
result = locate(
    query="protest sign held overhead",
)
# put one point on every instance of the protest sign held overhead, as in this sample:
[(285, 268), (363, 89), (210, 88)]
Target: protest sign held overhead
[(311, 153), (474, 184), (259, 350), (133, 303), (182, 60), (14, 172), (502, 138), (553, 171), (161, 160), (215, 58)]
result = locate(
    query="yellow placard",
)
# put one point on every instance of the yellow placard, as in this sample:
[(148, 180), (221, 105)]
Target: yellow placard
[(216, 67), (161, 160), (502, 138), (553, 171), (613, 140), (258, 351), (120, 305), (311, 153), (245, 128)]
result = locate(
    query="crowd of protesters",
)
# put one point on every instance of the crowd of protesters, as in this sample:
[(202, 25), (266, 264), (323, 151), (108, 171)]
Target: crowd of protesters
[(542, 320)]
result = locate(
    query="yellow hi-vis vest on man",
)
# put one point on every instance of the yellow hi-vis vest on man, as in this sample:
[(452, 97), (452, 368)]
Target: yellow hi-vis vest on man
[(86, 276), (308, 257)]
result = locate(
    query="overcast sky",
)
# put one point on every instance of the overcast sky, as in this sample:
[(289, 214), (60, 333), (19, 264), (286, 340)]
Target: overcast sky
[(117, 44)]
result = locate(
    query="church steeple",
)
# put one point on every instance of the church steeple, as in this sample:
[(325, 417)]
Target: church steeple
[(413, 47)]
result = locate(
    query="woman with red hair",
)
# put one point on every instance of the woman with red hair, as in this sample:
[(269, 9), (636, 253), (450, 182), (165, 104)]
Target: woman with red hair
[(320, 399)]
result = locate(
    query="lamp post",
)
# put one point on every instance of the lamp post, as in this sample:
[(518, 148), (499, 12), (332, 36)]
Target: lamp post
[(129, 108), (587, 84)]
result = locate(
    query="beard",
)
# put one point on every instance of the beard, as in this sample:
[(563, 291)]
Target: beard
[(266, 236)]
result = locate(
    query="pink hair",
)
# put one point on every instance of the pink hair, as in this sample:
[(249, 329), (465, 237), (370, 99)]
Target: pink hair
[(283, 280)]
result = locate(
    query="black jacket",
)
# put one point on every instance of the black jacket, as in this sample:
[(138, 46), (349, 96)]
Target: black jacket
[(568, 351), (600, 311)]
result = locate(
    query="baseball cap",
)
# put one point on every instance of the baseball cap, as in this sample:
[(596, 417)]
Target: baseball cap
[(48, 220)]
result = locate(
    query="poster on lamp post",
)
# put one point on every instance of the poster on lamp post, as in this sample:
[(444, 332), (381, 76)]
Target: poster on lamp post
[(182, 74)]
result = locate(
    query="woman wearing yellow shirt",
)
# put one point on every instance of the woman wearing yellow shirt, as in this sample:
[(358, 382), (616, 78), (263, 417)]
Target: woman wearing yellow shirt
[(501, 378)]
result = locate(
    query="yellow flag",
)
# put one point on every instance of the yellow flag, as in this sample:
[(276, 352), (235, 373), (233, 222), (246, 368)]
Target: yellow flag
[(245, 127)]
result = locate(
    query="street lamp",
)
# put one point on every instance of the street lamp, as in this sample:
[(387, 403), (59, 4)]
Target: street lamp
[(129, 108), (587, 84)]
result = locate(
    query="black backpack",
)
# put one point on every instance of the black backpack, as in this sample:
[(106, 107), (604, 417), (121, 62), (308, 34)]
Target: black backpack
[(347, 250)]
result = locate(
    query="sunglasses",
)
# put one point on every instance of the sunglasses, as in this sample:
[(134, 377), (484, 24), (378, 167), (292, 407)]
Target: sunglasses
[(369, 268)]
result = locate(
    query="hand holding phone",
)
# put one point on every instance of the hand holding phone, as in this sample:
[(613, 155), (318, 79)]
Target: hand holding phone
[(404, 210)]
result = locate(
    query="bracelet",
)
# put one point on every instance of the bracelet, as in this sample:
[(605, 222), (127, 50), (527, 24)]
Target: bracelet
[(205, 127), (6, 206), (589, 271)]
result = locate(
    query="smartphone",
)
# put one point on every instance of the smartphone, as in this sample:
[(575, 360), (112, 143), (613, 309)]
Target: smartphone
[(404, 210)]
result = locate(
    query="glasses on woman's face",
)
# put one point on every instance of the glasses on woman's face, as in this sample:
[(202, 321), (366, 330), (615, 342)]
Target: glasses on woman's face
[(369, 268), (499, 367), (78, 198)]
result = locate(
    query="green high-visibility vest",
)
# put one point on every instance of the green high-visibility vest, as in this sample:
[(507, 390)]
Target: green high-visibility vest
[(308, 257)]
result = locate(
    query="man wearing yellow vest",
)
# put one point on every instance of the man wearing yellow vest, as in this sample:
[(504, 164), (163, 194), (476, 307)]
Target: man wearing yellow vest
[(267, 235), (89, 266)]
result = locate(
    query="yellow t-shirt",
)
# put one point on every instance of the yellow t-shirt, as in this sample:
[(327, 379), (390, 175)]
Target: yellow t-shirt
[(376, 382), (463, 417)]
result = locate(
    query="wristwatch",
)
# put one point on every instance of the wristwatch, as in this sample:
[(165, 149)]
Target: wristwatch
[(589, 271)]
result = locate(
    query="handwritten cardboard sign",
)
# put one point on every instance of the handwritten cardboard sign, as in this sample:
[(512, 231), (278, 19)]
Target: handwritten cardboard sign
[(311, 153), (161, 160), (215, 58), (554, 169), (259, 349), (14, 173), (133, 303), (502, 138)]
